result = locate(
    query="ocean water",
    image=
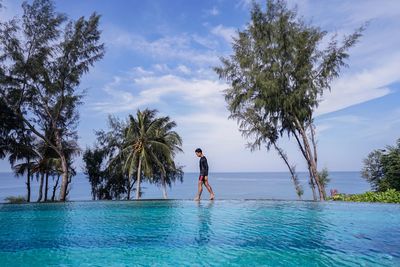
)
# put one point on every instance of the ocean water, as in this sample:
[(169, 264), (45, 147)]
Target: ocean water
[(206, 233), (264, 185)]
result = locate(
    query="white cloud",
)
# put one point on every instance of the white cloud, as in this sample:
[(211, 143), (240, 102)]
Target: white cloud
[(204, 124), (360, 87), (141, 71), (244, 4), (207, 42), (132, 92), (161, 68), (212, 12), (227, 33), (364, 10), (179, 47), (183, 69), (326, 124)]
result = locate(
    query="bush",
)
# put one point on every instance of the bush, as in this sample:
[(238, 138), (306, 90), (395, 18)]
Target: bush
[(389, 196), (16, 200), (382, 168)]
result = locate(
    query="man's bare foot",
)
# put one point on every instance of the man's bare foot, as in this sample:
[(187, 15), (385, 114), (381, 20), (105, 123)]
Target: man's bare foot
[(212, 196), (197, 198)]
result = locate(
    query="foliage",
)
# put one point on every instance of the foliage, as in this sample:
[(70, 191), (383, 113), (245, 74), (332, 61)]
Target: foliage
[(106, 176), (149, 143), (43, 57), (143, 147), (278, 74), (324, 177), (382, 168), (10, 129), (16, 200), (388, 196), (372, 170), (93, 159)]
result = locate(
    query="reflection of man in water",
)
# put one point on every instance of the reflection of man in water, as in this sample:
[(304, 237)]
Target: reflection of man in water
[(205, 229), (203, 177)]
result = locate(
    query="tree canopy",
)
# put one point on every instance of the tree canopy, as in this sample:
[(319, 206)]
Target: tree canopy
[(141, 148), (382, 168), (43, 57), (277, 74)]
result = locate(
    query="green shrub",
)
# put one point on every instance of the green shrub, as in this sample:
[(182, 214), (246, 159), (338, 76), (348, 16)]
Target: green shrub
[(16, 200), (389, 196)]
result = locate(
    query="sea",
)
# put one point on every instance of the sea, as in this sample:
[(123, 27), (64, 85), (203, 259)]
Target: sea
[(226, 185)]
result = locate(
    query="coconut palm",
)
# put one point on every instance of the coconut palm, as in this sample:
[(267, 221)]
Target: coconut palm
[(20, 169), (145, 140), (23, 150)]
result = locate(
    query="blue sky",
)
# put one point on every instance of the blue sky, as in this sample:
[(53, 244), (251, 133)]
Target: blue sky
[(160, 54)]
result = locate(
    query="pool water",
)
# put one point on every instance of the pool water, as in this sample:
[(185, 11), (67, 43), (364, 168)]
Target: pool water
[(188, 233)]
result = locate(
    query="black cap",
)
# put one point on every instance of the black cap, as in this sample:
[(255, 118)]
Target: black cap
[(198, 150)]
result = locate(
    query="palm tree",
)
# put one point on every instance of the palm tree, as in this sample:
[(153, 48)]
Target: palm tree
[(23, 149), (144, 143), (22, 168)]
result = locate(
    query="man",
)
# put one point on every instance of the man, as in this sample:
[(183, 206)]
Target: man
[(203, 177)]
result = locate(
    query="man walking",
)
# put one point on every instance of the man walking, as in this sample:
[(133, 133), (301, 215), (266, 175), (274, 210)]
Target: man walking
[(203, 177)]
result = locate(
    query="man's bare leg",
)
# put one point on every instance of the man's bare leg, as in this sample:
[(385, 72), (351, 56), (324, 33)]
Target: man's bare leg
[(200, 190), (208, 186)]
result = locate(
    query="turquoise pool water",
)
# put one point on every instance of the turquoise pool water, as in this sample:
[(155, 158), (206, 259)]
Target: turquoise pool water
[(187, 233)]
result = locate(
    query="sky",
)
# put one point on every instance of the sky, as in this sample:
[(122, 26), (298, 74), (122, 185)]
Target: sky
[(161, 54)]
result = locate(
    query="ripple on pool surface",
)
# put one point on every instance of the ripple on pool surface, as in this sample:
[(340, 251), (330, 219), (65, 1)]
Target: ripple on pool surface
[(188, 233)]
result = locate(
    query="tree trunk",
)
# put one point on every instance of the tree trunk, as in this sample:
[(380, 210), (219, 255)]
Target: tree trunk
[(313, 169), (129, 187), (164, 186), (320, 186), (28, 183), (138, 178), (46, 188), (314, 142), (311, 161), (312, 185), (64, 180), (55, 188), (64, 166), (41, 187), (291, 169), (94, 192)]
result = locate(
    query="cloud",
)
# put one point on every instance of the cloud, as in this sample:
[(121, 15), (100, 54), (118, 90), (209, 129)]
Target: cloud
[(212, 12), (356, 88), (183, 69), (330, 123), (202, 118), (370, 10), (227, 33), (130, 92), (207, 42), (244, 4), (371, 128), (179, 47)]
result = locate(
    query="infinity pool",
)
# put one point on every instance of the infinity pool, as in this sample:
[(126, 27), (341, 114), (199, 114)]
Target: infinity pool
[(187, 233)]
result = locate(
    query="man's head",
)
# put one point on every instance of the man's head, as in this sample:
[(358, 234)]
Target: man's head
[(199, 152)]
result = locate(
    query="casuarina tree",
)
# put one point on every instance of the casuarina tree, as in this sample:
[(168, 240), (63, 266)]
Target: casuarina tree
[(277, 75), (43, 57)]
